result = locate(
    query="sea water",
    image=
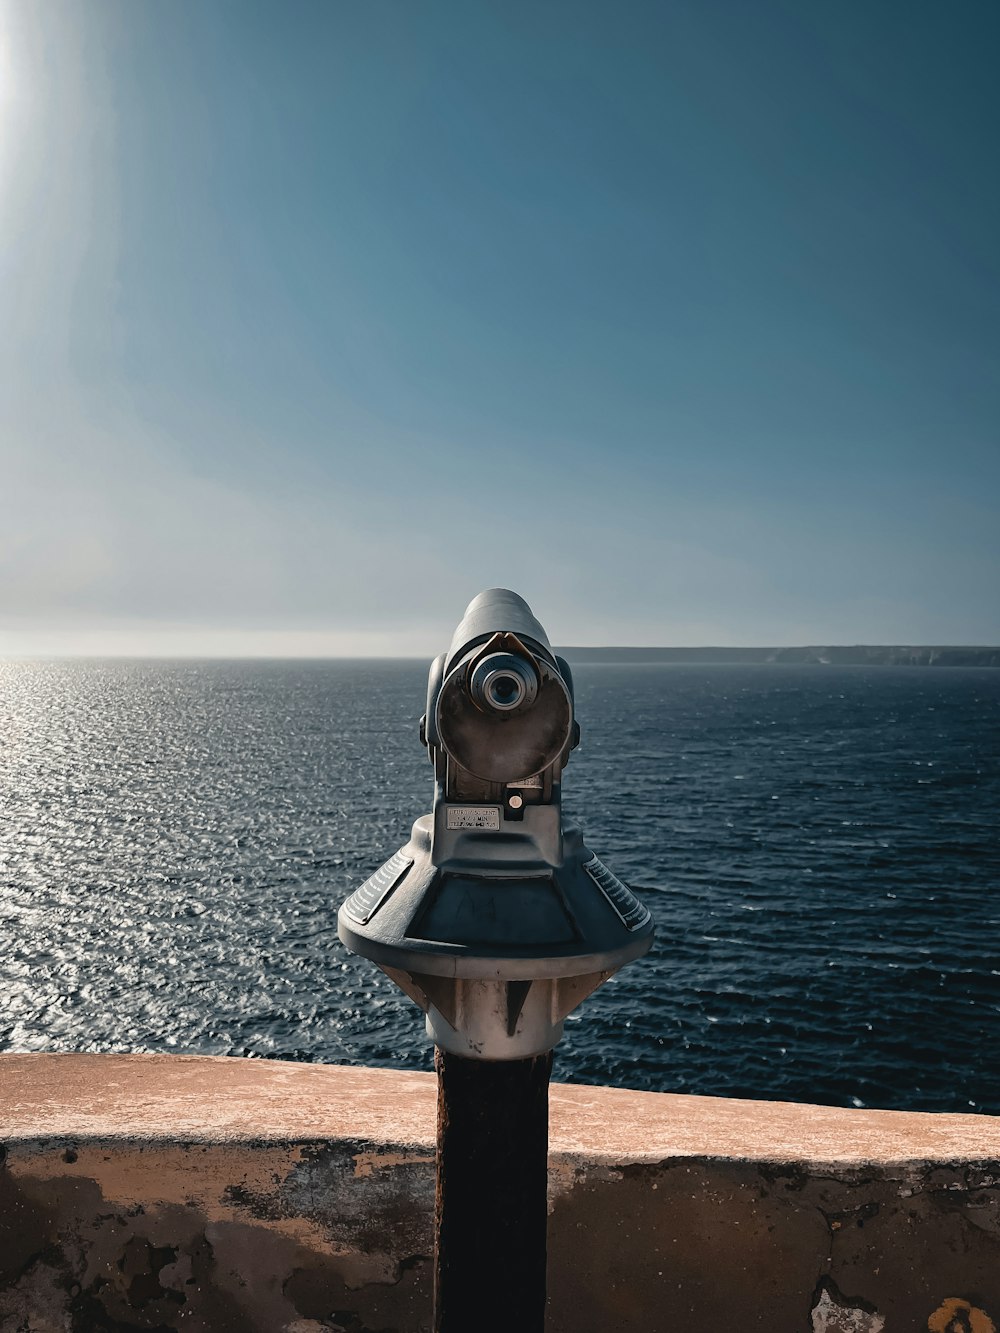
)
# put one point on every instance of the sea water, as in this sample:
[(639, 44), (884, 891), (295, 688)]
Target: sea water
[(818, 846)]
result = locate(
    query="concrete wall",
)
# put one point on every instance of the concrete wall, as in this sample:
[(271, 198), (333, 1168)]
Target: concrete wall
[(159, 1193)]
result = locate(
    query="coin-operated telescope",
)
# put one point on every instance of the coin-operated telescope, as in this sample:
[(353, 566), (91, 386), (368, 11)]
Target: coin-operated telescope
[(495, 917)]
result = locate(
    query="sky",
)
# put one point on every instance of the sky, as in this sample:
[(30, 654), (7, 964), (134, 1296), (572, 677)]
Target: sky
[(317, 317)]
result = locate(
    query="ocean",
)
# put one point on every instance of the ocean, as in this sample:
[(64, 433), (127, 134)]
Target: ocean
[(818, 846)]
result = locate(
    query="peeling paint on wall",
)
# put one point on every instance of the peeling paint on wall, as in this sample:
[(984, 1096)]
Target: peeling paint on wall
[(367, 1162), (832, 1313)]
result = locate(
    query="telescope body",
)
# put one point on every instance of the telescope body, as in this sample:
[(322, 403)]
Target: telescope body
[(494, 917)]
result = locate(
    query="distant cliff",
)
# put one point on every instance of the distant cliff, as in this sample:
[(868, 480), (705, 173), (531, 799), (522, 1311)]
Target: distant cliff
[(831, 655)]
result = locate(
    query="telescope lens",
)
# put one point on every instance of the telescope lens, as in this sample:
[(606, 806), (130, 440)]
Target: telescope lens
[(505, 691), (503, 682)]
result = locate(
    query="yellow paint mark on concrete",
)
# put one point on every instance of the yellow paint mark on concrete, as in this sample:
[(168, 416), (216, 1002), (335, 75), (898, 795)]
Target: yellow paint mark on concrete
[(957, 1316)]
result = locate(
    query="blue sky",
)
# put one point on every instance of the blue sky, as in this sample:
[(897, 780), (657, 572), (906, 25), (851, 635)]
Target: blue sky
[(681, 319)]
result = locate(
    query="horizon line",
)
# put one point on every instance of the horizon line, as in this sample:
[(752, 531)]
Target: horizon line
[(727, 649)]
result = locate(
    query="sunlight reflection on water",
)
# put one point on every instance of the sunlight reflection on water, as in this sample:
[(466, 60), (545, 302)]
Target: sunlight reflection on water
[(817, 845)]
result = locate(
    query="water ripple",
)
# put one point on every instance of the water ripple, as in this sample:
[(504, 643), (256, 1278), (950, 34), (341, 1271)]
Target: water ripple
[(818, 846)]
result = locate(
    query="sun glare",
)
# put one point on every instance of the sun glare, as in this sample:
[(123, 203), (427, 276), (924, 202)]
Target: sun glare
[(6, 55), (7, 82), (11, 99)]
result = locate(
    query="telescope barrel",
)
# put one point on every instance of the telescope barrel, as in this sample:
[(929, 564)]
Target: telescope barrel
[(497, 610)]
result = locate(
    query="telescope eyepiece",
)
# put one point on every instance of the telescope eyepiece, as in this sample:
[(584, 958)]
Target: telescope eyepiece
[(499, 703), (503, 683)]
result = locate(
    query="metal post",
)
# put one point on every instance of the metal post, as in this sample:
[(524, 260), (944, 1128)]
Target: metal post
[(490, 1213)]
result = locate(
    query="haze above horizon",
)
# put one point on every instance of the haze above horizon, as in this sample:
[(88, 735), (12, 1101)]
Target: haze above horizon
[(178, 646), (680, 319)]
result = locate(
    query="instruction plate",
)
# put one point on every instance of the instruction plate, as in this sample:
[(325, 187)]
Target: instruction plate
[(474, 816)]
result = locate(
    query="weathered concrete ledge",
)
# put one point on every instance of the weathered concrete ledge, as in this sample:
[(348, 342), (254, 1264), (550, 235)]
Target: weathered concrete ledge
[(161, 1192)]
